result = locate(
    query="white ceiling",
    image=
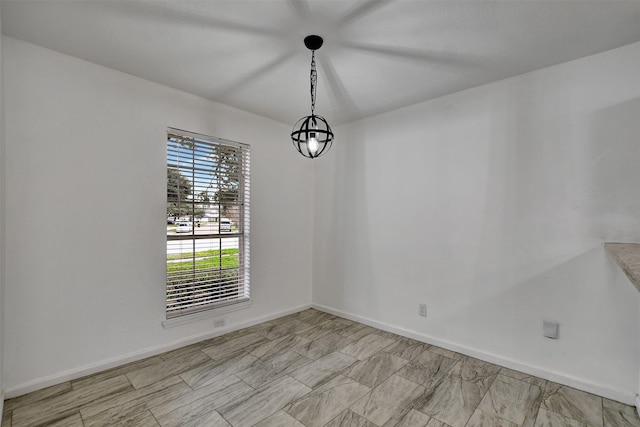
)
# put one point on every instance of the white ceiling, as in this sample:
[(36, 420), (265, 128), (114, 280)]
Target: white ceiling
[(378, 55)]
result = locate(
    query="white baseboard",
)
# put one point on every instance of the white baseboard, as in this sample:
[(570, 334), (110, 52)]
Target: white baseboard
[(638, 405), (1, 406), (92, 368), (558, 377)]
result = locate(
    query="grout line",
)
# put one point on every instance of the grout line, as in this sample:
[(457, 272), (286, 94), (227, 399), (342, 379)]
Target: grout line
[(221, 416), (153, 416)]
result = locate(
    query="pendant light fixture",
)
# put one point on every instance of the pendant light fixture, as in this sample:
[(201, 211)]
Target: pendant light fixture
[(312, 135)]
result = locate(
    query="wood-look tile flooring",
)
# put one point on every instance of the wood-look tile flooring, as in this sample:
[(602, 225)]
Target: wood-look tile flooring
[(313, 369)]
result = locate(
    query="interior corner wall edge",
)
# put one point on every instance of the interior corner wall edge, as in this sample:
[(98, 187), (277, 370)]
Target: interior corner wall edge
[(2, 222), (491, 206), (86, 173)]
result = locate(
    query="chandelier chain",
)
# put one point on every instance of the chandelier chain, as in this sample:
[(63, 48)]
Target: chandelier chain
[(314, 79)]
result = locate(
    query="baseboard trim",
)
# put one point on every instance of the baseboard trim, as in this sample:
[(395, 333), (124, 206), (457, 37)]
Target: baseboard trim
[(1, 407), (558, 377), (92, 368), (638, 405)]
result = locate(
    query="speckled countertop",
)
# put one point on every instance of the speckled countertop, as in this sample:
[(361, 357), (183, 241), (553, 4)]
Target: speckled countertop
[(627, 256)]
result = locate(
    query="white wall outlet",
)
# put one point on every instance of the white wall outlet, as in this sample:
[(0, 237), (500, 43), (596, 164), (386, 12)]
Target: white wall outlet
[(550, 329), (218, 323), (422, 310)]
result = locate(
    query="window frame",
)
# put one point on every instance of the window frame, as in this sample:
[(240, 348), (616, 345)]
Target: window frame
[(176, 312)]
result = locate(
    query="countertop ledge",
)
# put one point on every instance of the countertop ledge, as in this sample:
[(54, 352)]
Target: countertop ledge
[(627, 256)]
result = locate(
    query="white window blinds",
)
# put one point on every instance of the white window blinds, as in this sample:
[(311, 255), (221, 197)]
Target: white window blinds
[(207, 222)]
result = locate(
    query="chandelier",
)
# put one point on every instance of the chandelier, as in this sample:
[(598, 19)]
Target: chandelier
[(312, 135)]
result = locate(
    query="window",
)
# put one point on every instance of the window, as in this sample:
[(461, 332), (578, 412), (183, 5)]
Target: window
[(207, 222)]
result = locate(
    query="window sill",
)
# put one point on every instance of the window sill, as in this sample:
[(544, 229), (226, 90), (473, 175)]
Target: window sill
[(214, 312)]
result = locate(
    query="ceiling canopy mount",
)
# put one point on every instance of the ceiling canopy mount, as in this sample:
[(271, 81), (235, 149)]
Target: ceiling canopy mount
[(313, 42)]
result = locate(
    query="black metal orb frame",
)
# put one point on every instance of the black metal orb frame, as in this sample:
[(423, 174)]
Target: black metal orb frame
[(308, 127), (313, 126)]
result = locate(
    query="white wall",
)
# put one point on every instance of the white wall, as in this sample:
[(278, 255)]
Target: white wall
[(86, 171), (491, 206)]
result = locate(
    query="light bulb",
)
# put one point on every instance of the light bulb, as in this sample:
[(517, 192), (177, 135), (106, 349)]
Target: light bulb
[(312, 144)]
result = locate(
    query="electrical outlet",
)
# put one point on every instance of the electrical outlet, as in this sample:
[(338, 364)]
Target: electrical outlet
[(218, 323), (550, 329), (422, 310)]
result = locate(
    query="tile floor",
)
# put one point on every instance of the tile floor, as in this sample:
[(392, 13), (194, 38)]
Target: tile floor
[(313, 369)]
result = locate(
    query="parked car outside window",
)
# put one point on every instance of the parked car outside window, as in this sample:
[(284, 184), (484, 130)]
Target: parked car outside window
[(184, 227), (225, 225)]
